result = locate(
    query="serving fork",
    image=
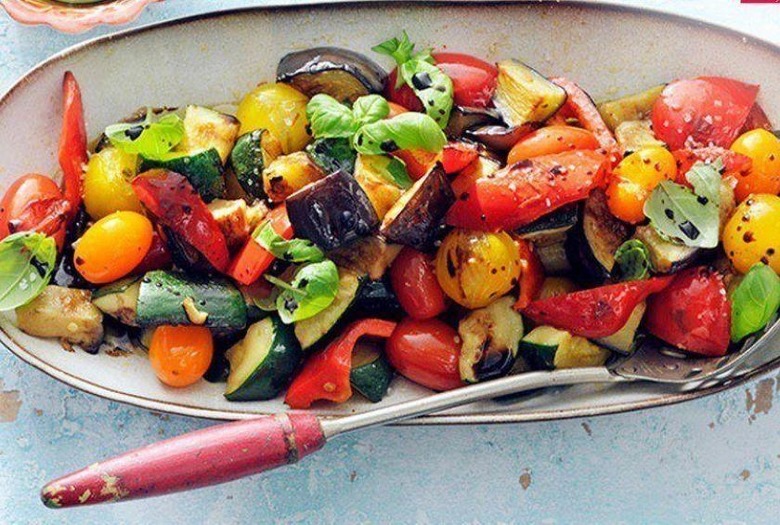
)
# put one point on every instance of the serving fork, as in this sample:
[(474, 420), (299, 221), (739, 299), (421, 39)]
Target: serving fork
[(233, 450)]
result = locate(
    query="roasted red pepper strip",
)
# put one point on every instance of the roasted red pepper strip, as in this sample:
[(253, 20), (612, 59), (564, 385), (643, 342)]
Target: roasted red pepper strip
[(522, 192), (253, 260), (73, 154), (733, 162), (579, 104), (175, 204), (693, 313), (158, 256), (457, 155), (598, 312), (326, 374), (531, 275)]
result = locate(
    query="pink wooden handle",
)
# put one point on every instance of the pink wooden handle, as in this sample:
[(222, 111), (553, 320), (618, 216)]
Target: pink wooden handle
[(206, 457)]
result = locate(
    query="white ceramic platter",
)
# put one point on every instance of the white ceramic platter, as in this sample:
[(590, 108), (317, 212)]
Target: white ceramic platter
[(216, 58)]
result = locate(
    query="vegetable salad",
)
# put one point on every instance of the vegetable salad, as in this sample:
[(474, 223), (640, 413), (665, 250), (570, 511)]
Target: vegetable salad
[(452, 221)]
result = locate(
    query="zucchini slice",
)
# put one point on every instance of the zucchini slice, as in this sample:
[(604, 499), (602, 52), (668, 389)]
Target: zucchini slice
[(311, 330), (371, 371), (416, 218), (205, 129), (548, 348), (622, 341), (203, 169), (524, 96), (174, 298), (632, 107), (263, 363), (490, 338), (250, 156), (119, 299), (332, 155), (633, 135)]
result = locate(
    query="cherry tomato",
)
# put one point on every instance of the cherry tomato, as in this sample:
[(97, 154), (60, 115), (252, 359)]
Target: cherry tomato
[(113, 246), (635, 178), (692, 313), (180, 355), (706, 111), (426, 352), (279, 108), (473, 82), (414, 283), (552, 139), (107, 185), (751, 235), (33, 203), (763, 149)]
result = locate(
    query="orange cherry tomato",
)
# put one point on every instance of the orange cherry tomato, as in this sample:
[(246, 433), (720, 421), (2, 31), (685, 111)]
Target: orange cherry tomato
[(634, 179), (113, 246), (763, 148), (180, 355), (552, 139)]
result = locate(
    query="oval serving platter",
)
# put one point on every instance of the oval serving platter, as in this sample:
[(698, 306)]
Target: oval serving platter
[(609, 50)]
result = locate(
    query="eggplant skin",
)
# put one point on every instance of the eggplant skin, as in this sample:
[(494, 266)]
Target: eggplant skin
[(332, 212), (500, 138), (416, 219), (464, 118), (340, 73)]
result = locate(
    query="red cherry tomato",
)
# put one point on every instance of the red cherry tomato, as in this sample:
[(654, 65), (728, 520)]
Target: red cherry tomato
[(415, 284), (426, 352), (693, 313), (457, 155), (34, 203), (705, 111), (473, 82)]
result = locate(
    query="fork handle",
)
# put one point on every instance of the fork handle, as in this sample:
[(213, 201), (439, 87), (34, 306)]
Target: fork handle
[(206, 457)]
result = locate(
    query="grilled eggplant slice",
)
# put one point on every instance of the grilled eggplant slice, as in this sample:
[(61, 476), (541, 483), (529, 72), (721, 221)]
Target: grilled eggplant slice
[(524, 95), (340, 73), (491, 336), (463, 118), (416, 219), (666, 256), (632, 107), (553, 226), (370, 256), (205, 128), (633, 135), (591, 246), (332, 212), (500, 138)]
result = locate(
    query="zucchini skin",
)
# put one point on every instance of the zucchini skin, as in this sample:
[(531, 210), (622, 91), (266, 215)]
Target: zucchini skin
[(274, 373), (203, 169), (160, 301), (373, 379), (377, 299), (247, 161)]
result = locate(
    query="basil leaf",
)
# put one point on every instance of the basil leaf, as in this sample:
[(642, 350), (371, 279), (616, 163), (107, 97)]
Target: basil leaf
[(27, 261), (370, 108), (329, 118), (294, 250), (404, 131), (692, 217), (397, 174), (312, 290), (151, 140), (432, 87), (754, 302), (401, 50), (632, 259)]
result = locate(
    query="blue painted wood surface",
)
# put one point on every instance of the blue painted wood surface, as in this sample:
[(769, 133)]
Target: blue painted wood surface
[(714, 460)]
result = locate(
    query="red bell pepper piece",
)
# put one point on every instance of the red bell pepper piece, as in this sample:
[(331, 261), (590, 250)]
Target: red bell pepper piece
[(522, 192), (594, 313), (693, 313), (253, 260), (158, 256), (457, 155), (326, 374), (531, 274), (579, 104), (175, 204), (73, 154), (733, 162)]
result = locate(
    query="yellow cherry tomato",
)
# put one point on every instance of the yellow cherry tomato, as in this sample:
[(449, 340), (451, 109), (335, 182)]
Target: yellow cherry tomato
[(180, 355), (752, 234), (763, 148), (635, 178), (279, 108), (107, 183), (475, 268), (113, 246)]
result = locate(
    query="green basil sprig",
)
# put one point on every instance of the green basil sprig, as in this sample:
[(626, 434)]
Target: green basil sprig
[(313, 289), (418, 71), (294, 250), (27, 261), (754, 302), (150, 139), (632, 260), (691, 217)]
